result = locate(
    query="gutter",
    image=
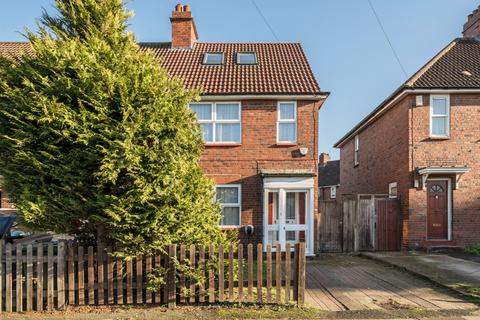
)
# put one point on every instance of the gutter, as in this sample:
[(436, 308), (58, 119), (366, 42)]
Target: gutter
[(390, 101), (236, 97)]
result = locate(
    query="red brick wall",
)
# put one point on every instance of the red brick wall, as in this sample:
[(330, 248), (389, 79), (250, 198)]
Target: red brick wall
[(242, 164), (463, 148), (398, 143), (383, 155), (4, 201)]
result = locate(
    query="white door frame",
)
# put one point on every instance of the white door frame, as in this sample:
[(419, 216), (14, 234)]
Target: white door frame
[(282, 227), (449, 205)]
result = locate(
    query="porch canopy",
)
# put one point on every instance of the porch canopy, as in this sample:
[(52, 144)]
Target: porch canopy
[(452, 171)]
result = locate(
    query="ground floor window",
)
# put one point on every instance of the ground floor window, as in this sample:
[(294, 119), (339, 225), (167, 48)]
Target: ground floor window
[(229, 198)]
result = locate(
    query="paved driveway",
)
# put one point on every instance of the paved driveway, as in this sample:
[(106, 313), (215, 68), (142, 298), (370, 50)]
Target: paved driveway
[(343, 282)]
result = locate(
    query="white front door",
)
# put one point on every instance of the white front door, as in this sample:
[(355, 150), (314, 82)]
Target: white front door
[(288, 217)]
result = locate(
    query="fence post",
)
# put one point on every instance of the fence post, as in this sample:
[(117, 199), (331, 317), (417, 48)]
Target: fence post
[(61, 275), (1, 275), (300, 264), (172, 252)]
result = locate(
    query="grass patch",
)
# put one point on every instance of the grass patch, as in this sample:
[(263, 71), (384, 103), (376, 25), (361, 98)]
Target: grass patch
[(473, 249)]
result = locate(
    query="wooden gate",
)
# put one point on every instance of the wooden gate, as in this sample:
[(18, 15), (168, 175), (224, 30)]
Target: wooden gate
[(330, 228), (388, 225)]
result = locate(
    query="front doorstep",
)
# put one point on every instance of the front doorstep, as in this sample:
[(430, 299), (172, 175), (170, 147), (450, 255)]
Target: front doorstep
[(430, 245)]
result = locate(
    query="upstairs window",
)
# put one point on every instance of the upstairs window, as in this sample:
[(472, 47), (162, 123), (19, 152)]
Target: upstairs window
[(213, 58), (287, 122), (392, 190), (357, 149), (246, 58), (333, 192), (229, 198), (439, 116), (220, 122)]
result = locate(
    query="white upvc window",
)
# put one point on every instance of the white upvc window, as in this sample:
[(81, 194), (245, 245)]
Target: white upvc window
[(356, 151), (287, 122), (392, 190), (221, 122), (439, 116), (229, 196), (333, 192)]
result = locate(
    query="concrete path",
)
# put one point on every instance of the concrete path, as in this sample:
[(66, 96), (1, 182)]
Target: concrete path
[(457, 274), (344, 282)]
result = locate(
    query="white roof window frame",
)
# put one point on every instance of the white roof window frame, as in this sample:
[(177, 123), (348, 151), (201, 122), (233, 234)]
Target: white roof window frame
[(206, 55), (446, 97), (239, 54)]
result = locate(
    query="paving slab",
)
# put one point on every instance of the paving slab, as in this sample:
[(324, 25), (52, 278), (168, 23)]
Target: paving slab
[(457, 274), (346, 282)]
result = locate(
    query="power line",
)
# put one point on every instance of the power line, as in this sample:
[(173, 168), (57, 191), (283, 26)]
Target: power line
[(264, 19), (387, 38)]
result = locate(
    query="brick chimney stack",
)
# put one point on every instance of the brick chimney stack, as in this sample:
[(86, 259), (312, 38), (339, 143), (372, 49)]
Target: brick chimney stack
[(471, 29), (184, 32), (323, 159)]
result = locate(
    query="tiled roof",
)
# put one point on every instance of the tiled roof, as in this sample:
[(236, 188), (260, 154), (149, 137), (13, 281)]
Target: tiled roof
[(14, 49), (329, 175), (457, 66), (447, 70), (282, 68)]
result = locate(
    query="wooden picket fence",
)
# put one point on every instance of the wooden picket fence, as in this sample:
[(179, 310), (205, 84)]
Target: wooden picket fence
[(53, 276)]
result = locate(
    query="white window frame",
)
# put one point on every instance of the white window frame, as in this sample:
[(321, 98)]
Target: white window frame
[(246, 52), (205, 58), (356, 150), (231, 205), (390, 187), (214, 121), (333, 192), (294, 121), (447, 115)]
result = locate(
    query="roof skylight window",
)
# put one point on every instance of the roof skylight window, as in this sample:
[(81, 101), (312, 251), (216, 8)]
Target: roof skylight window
[(213, 58), (246, 58)]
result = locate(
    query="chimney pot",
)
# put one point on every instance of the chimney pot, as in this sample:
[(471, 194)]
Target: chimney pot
[(323, 159), (471, 29), (184, 32)]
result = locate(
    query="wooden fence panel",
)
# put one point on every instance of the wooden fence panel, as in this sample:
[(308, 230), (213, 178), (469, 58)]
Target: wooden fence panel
[(57, 275), (330, 231)]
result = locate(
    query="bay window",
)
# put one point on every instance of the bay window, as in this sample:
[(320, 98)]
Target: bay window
[(220, 121)]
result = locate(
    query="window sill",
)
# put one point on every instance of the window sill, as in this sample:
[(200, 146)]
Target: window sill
[(286, 144), (222, 144), (230, 228), (439, 137)]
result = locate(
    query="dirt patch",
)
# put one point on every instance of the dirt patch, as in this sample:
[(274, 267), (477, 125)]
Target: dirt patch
[(231, 312)]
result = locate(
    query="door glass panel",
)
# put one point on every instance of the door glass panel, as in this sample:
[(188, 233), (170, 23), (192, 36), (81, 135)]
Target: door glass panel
[(272, 208), (291, 207), (272, 237)]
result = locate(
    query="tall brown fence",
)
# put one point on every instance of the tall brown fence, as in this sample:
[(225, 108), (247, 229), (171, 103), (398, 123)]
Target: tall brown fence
[(359, 223), (56, 275)]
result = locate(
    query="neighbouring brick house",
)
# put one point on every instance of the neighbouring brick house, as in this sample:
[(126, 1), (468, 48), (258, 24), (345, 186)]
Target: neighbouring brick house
[(422, 145), (259, 114), (328, 177)]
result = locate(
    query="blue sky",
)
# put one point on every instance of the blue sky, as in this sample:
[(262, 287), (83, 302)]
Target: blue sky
[(343, 42)]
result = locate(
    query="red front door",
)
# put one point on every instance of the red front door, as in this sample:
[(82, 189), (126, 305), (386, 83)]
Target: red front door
[(437, 209)]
